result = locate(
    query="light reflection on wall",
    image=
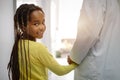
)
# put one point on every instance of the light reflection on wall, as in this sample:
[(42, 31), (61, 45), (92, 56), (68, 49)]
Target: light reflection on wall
[(68, 12)]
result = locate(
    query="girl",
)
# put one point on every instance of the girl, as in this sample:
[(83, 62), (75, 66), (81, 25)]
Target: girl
[(30, 59)]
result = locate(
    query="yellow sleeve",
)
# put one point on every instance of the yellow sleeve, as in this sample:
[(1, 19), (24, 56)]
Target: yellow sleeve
[(48, 61)]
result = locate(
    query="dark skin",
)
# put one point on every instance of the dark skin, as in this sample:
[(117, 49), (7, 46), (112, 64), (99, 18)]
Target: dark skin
[(35, 27), (69, 60)]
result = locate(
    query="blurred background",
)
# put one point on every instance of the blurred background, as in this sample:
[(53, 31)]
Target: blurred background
[(61, 21)]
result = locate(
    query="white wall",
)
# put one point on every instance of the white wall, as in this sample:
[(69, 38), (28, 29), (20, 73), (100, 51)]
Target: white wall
[(6, 35)]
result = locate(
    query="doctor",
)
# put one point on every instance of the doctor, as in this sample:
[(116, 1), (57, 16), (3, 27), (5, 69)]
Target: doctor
[(97, 45)]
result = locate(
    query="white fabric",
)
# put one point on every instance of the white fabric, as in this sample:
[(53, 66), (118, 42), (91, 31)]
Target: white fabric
[(97, 46)]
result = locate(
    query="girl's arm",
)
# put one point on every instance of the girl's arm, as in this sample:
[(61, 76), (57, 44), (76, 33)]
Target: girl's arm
[(48, 61)]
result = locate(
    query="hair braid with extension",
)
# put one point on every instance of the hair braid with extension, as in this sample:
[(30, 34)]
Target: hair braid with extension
[(21, 19)]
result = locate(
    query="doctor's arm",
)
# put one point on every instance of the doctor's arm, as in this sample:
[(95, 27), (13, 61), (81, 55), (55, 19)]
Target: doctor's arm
[(89, 26)]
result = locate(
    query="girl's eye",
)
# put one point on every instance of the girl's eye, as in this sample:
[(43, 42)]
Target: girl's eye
[(36, 24)]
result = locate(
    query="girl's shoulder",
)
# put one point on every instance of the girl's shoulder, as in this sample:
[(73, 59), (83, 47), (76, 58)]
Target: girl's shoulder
[(37, 45)]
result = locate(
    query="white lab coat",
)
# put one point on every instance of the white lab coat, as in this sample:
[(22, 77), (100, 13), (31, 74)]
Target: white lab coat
[(97, 45)]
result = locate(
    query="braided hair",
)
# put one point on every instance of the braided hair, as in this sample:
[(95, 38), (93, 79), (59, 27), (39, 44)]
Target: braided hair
[(21, 19)]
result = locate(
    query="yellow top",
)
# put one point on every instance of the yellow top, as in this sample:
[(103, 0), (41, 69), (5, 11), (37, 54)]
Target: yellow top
[(39, 61)]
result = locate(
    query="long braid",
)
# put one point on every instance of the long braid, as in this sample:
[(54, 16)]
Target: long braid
[(14, 56), (21, 19)]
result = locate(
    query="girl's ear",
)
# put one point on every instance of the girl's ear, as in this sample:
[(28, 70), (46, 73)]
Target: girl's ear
[(24, 29)]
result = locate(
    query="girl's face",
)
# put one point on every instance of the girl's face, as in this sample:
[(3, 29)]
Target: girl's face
[(36, 25)]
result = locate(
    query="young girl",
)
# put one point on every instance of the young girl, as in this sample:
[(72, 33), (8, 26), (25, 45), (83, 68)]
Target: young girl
[(30, 59)]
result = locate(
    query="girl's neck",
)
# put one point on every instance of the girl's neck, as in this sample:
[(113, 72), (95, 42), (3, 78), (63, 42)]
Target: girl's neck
[(28, 37)]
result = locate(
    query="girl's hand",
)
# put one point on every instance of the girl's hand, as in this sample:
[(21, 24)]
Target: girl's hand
[(69, 60)]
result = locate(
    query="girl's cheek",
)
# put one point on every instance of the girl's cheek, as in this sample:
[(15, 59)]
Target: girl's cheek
[(45, 28)]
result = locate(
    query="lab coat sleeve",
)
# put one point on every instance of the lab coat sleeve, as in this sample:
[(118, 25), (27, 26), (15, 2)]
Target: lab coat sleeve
[(89, 27)]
